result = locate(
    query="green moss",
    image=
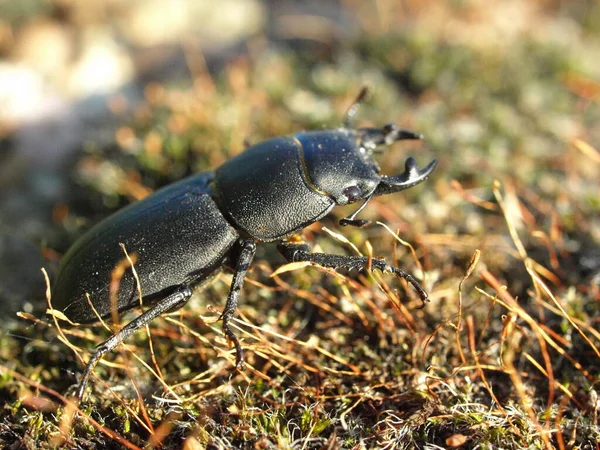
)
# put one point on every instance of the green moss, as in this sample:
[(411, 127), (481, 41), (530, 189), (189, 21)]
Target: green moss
[(337, 356)]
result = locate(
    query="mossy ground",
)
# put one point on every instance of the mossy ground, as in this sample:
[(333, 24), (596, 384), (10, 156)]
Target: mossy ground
[(504, 236)]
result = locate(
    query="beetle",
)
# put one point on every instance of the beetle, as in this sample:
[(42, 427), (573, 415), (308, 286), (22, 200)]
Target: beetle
[(184, 233)]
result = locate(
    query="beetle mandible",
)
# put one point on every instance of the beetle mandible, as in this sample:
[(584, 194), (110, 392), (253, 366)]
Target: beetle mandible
[(186, 232)]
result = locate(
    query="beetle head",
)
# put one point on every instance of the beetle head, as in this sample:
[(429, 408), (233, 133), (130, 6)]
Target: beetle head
[(412, 175), (340, 164)]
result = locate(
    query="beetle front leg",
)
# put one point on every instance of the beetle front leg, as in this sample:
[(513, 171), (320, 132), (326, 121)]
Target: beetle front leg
[(243, 264), (174, 301), (300, 251)]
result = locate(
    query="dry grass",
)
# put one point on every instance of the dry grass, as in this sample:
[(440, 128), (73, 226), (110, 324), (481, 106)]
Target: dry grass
[(504, 237)]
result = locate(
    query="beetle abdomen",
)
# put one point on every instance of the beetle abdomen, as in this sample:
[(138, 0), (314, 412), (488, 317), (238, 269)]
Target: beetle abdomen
[(178, 235)]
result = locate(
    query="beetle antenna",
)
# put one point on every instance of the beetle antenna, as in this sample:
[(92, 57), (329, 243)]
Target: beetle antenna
[(352, 221), (363, 95)]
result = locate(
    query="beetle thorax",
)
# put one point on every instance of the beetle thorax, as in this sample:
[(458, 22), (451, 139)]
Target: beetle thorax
[(265, 192)]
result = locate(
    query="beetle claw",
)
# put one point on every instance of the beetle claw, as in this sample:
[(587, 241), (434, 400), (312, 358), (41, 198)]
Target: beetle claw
[(414, 283), (412, 176), (239, 363), (410, 166), (387, 135), (393, 133)]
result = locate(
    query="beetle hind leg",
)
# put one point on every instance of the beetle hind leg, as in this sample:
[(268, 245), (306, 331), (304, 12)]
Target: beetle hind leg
[(248, 249), (300, 251), (173, 301)]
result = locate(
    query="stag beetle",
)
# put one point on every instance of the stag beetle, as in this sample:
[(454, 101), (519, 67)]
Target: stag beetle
[(186, 232)]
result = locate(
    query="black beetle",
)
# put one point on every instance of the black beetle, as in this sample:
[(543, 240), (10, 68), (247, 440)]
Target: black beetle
[(184, 233)]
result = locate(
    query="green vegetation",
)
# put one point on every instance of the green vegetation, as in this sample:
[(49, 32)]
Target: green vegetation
[(504, 237)]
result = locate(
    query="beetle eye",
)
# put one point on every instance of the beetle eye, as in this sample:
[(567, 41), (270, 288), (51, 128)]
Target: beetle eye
[(353, 193)]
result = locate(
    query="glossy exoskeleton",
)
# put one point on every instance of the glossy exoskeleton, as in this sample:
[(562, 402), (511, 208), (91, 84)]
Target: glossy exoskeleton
[(184, 233)]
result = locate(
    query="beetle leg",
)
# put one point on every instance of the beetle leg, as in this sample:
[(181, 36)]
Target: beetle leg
[(352, 220), (243, 263), (175, 300), (295, 251)]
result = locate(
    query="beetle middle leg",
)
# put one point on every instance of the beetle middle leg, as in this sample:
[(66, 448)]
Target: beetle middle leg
[(175, 300), (300, 251), (244, 260)]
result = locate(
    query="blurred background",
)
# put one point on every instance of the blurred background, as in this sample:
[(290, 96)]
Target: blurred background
[(103, 102)]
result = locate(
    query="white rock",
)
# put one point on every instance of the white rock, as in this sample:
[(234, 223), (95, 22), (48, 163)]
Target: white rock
[(103, 67), (158, 22)]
